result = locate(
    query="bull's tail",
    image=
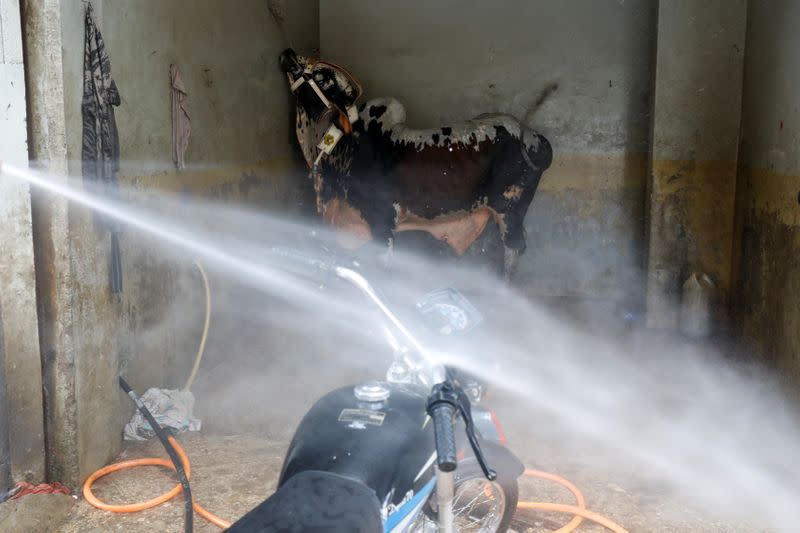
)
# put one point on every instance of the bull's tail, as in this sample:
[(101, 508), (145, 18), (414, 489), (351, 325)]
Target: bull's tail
[(544, 95), (536, 150)]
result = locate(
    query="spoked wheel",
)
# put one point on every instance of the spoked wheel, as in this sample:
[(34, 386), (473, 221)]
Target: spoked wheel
[(479, 505)]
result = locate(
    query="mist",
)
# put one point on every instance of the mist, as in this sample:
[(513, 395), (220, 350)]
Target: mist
[(720, 432)]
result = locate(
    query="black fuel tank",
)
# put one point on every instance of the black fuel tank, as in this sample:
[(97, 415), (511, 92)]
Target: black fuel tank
[(383, 444)]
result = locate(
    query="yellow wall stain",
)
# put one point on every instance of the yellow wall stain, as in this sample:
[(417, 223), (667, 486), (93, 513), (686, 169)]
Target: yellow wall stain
[(595, 171), (768, 269), (693, 209)]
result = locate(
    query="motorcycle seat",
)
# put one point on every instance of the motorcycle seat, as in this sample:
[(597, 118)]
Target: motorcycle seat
[(314, 501)]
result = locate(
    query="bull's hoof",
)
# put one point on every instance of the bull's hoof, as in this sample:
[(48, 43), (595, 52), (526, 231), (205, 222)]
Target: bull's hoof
[(385, 259)]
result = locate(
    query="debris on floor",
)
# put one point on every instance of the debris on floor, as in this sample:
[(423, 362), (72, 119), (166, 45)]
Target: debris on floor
[(172, 409), (23, 488), (230, 476)]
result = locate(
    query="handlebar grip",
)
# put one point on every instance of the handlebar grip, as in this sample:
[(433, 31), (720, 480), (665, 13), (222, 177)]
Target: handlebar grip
[(444, 434)]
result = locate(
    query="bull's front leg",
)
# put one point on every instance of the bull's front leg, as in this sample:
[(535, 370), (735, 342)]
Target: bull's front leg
[(386, 257), (383, 224), (510, 263), (512, 233)]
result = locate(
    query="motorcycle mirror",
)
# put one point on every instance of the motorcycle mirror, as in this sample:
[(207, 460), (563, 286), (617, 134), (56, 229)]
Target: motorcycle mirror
[(448, 311)]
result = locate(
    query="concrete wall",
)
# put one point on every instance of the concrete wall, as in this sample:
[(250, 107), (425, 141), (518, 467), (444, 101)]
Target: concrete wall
[(446, 61), (228, 56), (451, 60), (769, 187), (241, 148), (17, 282), (696, 114)]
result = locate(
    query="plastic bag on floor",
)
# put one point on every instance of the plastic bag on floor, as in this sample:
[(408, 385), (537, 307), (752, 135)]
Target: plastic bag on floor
[(171, 409), (697, 306)]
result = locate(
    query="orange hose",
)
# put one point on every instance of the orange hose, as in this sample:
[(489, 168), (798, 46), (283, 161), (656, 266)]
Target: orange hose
[(141, 506), (571, 509), (581, 503), (578, 510)]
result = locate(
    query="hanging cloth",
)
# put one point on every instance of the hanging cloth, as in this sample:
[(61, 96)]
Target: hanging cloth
[(181, 121), (100, 150)]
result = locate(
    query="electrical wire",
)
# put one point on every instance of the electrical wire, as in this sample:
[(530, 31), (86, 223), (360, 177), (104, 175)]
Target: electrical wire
[(206, 323)]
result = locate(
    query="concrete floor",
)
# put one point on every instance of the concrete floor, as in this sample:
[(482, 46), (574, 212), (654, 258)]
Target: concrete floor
[(231, 474), (254, 386), (624, 496), (249, 412)]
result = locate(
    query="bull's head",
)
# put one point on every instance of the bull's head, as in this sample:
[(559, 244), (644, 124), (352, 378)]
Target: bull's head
[(326, 95)]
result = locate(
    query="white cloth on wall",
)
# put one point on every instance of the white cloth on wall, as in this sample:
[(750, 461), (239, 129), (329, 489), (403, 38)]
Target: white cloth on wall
[(181, 121)]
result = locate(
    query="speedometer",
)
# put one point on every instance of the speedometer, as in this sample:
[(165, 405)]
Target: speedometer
[(448, 311), (456, 317)]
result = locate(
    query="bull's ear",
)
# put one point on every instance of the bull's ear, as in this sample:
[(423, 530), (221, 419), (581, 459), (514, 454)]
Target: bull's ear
[(344, 123)]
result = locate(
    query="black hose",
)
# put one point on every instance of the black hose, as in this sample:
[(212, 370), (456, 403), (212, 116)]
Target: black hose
[(173, 454)]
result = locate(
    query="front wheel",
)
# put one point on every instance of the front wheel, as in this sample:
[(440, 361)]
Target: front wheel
[(479, 505)]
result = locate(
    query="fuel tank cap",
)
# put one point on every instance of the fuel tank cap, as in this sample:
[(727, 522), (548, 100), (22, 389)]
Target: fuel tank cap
[(371, 391)]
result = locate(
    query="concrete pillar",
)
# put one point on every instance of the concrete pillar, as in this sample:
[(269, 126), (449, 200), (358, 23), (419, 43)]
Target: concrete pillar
[(17, 283), (696, 115), (48, 152), (6, 479), (89, 335), (768, 278)]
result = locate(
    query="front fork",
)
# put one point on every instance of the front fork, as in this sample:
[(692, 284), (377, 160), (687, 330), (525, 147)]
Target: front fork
[(444, 496)]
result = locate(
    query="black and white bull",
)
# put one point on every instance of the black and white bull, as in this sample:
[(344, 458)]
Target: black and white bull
[(374, 176)]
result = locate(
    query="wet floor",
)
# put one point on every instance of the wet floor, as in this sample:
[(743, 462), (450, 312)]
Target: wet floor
[(231, 474), (249, 412)]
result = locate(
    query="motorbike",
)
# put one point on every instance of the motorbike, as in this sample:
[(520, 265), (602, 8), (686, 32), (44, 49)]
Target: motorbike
[(412, 452)]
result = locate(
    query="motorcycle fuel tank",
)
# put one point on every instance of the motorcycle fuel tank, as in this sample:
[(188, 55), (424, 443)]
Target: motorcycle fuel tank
[(386, 444)]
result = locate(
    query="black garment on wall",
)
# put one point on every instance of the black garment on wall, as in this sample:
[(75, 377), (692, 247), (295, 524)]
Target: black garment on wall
[(100, 150)]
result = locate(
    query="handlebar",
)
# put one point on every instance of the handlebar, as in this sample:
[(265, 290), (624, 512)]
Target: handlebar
[(435, 372), (446, 399)]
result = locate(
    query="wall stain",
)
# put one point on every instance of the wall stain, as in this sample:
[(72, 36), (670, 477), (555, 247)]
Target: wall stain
[(768, 281)]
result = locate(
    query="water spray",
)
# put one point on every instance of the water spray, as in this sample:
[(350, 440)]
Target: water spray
[(270, 277), (608, 394)]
